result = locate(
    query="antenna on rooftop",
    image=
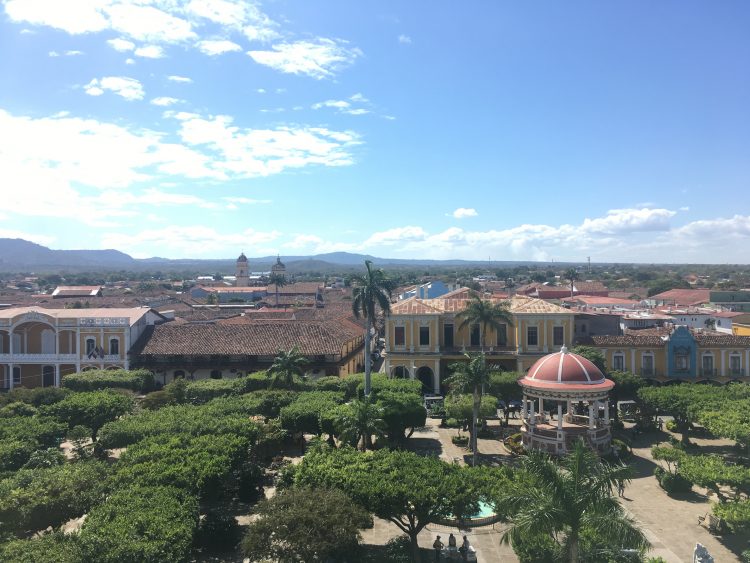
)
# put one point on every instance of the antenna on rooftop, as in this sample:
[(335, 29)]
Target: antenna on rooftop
[(589, 259)]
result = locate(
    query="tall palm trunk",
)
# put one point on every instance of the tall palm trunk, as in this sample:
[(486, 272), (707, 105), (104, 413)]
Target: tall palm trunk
[(368, 362), (475, 415), (573, 547)]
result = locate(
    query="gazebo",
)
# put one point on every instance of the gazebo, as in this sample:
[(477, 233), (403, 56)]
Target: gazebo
[(580, 392)]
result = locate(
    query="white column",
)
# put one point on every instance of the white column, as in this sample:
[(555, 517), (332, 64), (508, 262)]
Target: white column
[(77, 351), (413, 371), (57, 375), (559, 415), (632, 361), (541, 406), (544, 330), (437, 377), (723, 362), (531, 413), (606, 411), (747, 363), (10, 367), (591, 415), (126, 351), (523, 407)]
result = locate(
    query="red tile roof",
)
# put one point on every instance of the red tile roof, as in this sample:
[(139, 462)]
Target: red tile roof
[(684, 296)]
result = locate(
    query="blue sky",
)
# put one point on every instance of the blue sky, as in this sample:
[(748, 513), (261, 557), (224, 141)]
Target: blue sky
[(510, 130)]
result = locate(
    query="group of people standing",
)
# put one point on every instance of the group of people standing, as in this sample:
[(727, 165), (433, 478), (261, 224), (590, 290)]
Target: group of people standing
[(464, 549)]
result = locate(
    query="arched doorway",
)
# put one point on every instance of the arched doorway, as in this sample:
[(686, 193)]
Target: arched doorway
[(400, 372), (48, 376), (426, 376)]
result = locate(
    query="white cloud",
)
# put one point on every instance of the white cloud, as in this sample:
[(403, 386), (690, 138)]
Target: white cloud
[(177, 78), (261, 90), (404, 39), (147, 23), (398, 235), (218, 47), (44, 240), (165, 101), (685, 208), (128, 88), (129, 61), (189, 240), (53, 54), (120, 44), (262, 152), (149, 52), (246, 200), (321, 58), (66, 53), (628, 220), (358, 98), (343, 106), (463, 212), (73, 17), (219, 11)]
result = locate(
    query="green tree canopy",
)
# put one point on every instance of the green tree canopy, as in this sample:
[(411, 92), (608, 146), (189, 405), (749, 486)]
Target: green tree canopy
[(306, 524), (92, 409), (359, 421), (567, 500), (286, 366), (485, 313)]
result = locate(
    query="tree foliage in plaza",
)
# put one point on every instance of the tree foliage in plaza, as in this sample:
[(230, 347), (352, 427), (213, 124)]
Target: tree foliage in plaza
[(408, 490), (287, 366), (504, 385), (21, 436), (140, 525), (139, 380), (461, 407), (736, 515), (57, 547), (359, 421), (303, 415), (306, 524), (93, 409), (370, 292), (203, 465), (568, 500), (731, 420), (594, 355), (382, 382), (33, 499), (485, 313), (215, 418), (471, 376), (37, 396), (401, 412)]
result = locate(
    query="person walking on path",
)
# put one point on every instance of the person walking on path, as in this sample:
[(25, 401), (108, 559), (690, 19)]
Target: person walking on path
[(621, 489), (438, 546)]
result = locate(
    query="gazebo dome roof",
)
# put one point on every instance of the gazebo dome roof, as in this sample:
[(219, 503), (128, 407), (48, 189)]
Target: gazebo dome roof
[(564, 370)]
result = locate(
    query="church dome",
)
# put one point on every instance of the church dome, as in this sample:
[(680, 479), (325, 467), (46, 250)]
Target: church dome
[(565, 370), (242, 258)]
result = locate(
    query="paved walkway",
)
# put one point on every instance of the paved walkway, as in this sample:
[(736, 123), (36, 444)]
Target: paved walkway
[(670, 523)]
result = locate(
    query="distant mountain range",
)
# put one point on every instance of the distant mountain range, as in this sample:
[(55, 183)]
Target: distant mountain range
[(23, 255)]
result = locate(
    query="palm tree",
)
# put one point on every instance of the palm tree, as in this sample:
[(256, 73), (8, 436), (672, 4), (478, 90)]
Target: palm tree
[(279, 280), (285, 366), (569, 497), (471, 376), (486, 314), (360, 422), (371, 291), (572, 275)]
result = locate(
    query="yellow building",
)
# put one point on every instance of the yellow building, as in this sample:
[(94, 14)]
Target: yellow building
[(423, 336), (681, 354), (39, 346)]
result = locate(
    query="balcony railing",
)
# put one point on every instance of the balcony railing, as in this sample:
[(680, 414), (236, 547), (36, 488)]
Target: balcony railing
[(708, 372), (648, 372), (460, 349), (37, 358), (736, 372)]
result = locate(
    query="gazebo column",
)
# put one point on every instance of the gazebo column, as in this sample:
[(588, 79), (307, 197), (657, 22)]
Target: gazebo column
[(523, 407), (541, 408), (591, 415), (531, 413), (559, 415), (606, 412)]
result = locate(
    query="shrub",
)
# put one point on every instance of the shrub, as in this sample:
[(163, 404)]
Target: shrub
[(18, 409), (92, 409), (735, 514), (21, 436), (671, 425), (202, 391), (50, 457), (37, 396), (462, 441), (303, 415), (622, 449), (400, 412), (209, 419), (141, 525), (33, 499), (253, 382), (157, 399), (672, 482), (537, 548), (398, 549), (514, 443), (202, 465), (218, 532), (56, 547), (140, 380), (384, 383)]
